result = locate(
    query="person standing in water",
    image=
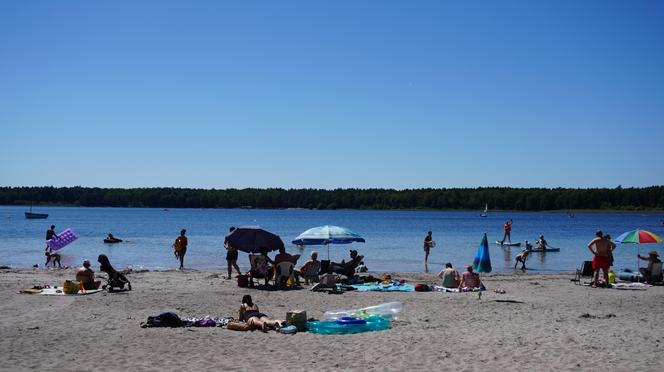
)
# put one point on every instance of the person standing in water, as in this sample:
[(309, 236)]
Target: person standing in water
[(180, 246), (50, 254), (507, 228), (428, 243), (231, 256)]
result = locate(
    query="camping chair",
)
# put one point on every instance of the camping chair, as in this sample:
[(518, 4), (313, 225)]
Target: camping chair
[(324, 266), (586, 270), (259, 269), (347, 268), (283, 272), (311, 274), (328, 282)]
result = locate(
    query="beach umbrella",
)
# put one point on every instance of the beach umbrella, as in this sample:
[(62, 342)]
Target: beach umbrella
[(638, 237), (482, 261), (251, 238), (326, 235)]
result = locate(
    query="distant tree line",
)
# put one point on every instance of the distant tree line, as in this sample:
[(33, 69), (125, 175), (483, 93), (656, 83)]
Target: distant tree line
[(504, 198)]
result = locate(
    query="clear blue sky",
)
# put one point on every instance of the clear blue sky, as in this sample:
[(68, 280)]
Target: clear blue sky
[(332, 93)]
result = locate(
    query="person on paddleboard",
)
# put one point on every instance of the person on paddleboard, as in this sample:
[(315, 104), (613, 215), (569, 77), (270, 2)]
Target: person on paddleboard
[(507, 228), (542, 245)]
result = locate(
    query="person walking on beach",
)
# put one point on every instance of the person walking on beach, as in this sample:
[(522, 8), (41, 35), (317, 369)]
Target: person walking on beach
[(428, 243), (507, 228), (601, 257), (231, 256), (180, 246), (50, 254)]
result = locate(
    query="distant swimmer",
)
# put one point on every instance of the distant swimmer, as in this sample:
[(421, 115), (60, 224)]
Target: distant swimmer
[(507, 228)]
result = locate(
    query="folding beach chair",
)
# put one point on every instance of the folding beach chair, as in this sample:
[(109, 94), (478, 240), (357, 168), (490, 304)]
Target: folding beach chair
[(585, 270), (259, 269)]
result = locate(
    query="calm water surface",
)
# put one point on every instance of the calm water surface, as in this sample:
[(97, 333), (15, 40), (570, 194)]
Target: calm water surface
[(393, 238)]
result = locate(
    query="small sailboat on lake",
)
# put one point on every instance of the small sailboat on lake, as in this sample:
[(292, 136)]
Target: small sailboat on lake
[(33, 216), (486, 208)]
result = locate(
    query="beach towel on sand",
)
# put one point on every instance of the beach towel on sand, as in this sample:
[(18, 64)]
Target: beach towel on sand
[(384, 287), (58, 291), (456, 290)]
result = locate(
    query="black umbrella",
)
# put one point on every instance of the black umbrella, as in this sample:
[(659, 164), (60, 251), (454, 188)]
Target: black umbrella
[(251, 238)]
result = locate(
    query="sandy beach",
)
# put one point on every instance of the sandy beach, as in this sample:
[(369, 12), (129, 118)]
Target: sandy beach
[(541, 322)]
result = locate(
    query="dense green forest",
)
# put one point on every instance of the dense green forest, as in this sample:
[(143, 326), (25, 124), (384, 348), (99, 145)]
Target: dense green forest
[(530, 199)]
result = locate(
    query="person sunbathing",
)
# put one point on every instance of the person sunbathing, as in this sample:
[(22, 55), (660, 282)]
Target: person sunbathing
[(347, 268), (86, 277), (470, 280), (647, 272), (450, 276), (254, 318), (309, 271)]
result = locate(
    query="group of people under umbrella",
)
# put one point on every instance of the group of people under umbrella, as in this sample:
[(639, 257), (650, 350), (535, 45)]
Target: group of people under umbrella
[(258, 242)]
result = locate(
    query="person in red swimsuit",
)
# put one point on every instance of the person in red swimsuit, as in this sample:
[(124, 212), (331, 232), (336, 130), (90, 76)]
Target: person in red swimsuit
[(601, 257)]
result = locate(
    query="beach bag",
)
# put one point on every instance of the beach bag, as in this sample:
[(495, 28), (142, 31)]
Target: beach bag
[(238, 326), (422, 288), (164, 320), (242, 281), (70, 287)]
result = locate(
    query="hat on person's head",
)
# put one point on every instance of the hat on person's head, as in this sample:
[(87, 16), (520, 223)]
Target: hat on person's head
[(653, 253), (86, 262), (313, 254)]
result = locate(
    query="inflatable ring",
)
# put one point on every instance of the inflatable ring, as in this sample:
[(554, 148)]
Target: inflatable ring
[(350, 320)]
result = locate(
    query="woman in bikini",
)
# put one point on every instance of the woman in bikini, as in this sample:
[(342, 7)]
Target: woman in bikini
[(254, 318), (470, 280)]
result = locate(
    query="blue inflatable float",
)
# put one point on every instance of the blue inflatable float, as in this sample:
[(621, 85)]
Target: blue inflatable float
[(348, 325)]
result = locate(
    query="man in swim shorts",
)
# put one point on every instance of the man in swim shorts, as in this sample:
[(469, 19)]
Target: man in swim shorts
[(601, 257)]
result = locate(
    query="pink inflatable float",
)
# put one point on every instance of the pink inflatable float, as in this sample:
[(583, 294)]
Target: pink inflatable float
[(62, 239)]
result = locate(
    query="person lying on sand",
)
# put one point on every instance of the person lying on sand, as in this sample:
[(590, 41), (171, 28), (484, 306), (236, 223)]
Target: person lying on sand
[(86, 277), (254, 318), (451, 277)]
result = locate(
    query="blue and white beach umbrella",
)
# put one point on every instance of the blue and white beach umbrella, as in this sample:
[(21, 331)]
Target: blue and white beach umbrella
[(326, 235), (482, 261)]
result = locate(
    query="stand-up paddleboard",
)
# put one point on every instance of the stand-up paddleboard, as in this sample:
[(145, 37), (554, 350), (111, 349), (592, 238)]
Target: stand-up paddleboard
[(508, 244), (546, 250), (62, 239)]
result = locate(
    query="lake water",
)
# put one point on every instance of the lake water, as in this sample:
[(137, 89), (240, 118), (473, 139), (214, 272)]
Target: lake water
[(393, 238)]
